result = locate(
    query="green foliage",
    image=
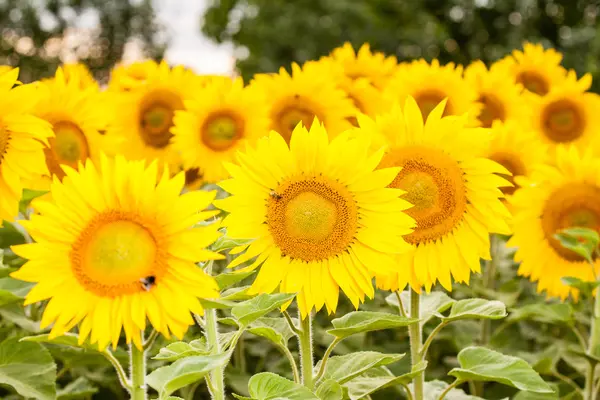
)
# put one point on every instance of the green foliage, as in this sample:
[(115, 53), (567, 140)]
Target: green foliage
[(183, 372), (475, 309), (367, 321), (250, 310), (582, 241), (28, 368), (345, 368), (267, 386), (482, 364), (266, 32), (430, 304)]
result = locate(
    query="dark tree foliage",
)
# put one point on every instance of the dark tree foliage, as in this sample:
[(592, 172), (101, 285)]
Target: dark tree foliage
[(273, 33), (34, 34)]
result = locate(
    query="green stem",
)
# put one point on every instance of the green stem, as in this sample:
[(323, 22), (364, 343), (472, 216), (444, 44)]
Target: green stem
[(306, 351), (594, 344), (432, 335), (416, 338), (288, 354), (325, 358), (400, 304), (119, 368), (138, 373), (151, 339), (212, 338), (448, 389), (409, 395), (489, 280)]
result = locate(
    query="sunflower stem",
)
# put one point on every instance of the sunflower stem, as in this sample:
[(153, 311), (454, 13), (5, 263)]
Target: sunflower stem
[(594, 343), (138, 373), (306, 350), (212, 337), (415, 332)]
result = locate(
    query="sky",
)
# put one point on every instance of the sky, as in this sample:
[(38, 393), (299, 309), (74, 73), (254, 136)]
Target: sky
[(181, 20)]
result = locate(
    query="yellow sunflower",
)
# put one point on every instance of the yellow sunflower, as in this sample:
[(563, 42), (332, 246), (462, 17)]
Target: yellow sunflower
[(22, 139), (375, 67), (77, 115), (304, 95), (79, 72), (123, 78), (221, 119), (516, 149), (115, 246), (567, 113), (144, 113), (429, 84), (537, 69), (455, 193), (320, 217), (499, 95), (563, 195)]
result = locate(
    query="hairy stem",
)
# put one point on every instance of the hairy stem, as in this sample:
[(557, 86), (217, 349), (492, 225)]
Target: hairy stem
[(138, 373), (416, 338), (212, 338), (306, 351)]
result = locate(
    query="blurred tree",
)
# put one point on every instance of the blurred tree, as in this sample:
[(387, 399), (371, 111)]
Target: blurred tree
[(272, 33), (37, 35)]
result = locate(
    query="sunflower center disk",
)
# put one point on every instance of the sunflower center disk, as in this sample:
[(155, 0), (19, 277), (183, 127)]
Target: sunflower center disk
[(287, 119), (312, 219), (220, 132), (573, 205), (562, 122), (428, 100), (533, 82), (68, 147), (492, 110), (512, 163), (156, 117), (4, 139), (434, 185), (114, 255)]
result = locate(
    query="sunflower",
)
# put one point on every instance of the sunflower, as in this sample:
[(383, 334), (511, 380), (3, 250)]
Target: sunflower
[(81, 73), (516, 149), (22, 139), (306, 94), (375, 67), (144, 113), (455, 194), (429, 84), (568, 113), (559, 196), (319, 216), (499, 95), (77, 115), (220, 119), (538, 70), (115, 246), (123, 78)]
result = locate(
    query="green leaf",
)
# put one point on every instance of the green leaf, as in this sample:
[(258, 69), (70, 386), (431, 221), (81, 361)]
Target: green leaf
[(344, 368), (366, 321), (68, 339), (476, 309), (330, 390), (267, 386), (15, 313), (218, 304), (224, 242), (27, 197), (28, 368), (10, 236), (229, 279), (379, 378), (434, 302), (557, 313), (13, 290), (251, 310), (482, 364), (185, 371), (582, 241), (433, 390), (175, 351), (79, 388), (536, 396), (275, 330), (583, 286)]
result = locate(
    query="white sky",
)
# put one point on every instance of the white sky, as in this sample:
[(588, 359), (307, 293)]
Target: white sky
[(187, 45)]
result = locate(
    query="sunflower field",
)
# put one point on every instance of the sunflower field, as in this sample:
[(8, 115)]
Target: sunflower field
[(354, 227)]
